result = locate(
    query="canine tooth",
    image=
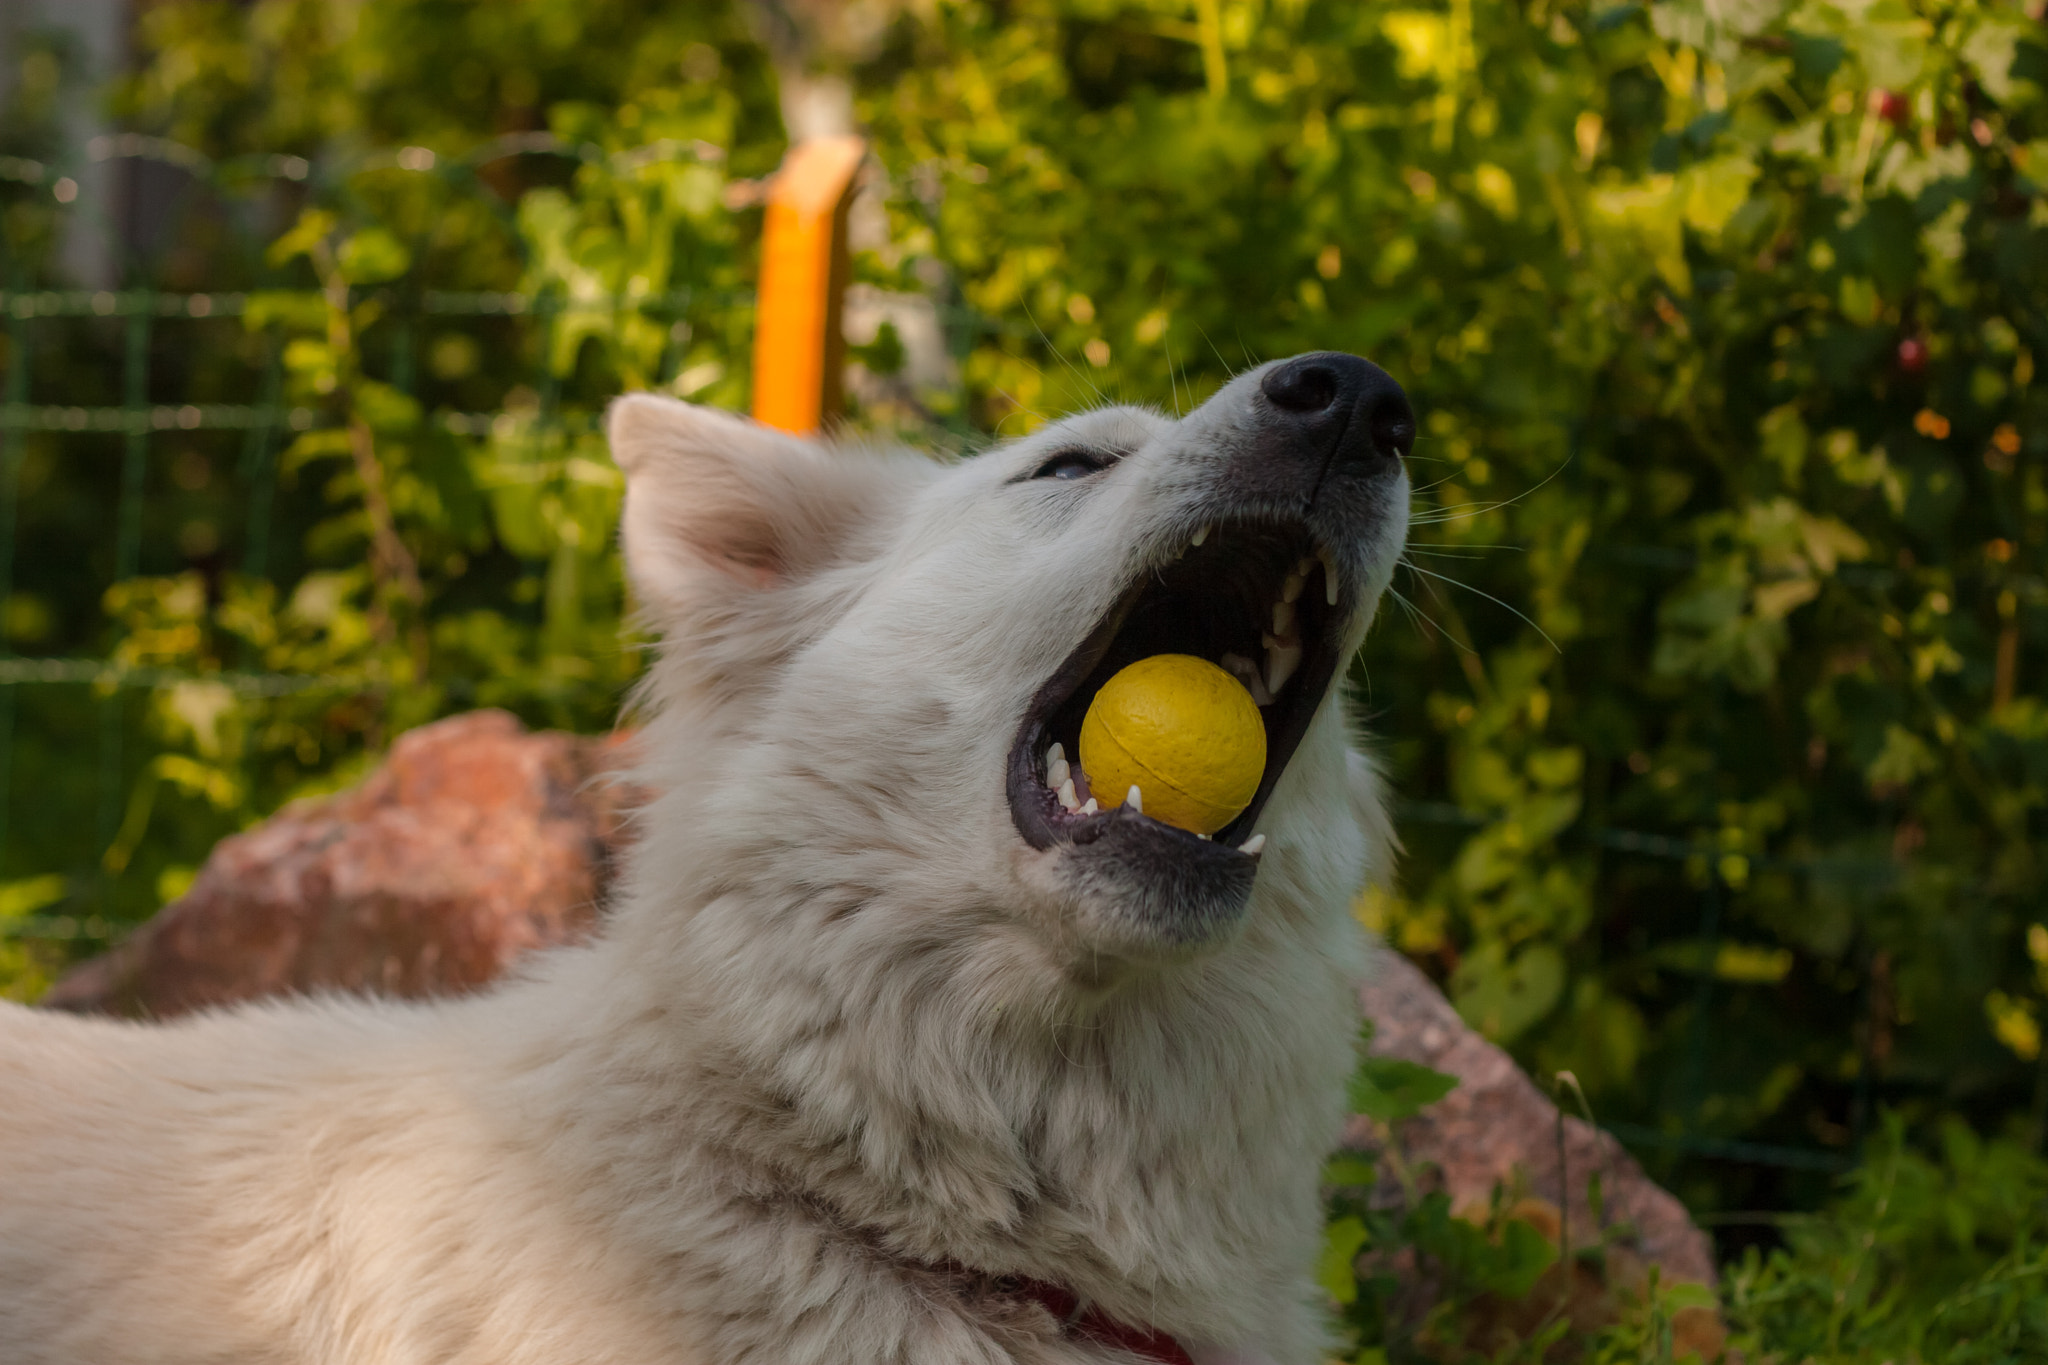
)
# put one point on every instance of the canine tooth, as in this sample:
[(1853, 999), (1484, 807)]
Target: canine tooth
[(1088, 807), (1200, 536), (1058, 775), (1329, 576), (1290, 591), (1135, 799), (1247, 672), (1056, 754), (1067, 796), (1253, 846), (1306, 563), (1281, 661), (1283, 619)]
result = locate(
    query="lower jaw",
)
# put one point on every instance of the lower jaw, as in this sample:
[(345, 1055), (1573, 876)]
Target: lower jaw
[(1144, 893)]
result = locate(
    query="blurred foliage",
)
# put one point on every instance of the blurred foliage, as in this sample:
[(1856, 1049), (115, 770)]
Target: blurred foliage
[(1712, 687), (1414, 1279), (1923, 1259), (1919, 1258), (554, 176)]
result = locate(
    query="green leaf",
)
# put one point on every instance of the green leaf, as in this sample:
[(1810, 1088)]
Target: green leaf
[(295, 309), (1525, 1254), (1991, 47), (26, 895), (1503, 996), (303, 236), (372, 256), (1335, 1272), (1390, 1089), (1715, 189)]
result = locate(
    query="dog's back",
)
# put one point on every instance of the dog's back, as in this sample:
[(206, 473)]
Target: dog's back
[(321, 1182)]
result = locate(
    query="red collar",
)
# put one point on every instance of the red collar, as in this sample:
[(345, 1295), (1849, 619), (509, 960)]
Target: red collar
[(1092, 1324)]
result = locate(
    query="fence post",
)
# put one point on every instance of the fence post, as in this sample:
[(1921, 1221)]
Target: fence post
[(127, 551), (1695, 1082), (12, 437), (259, 469), (799, 349)]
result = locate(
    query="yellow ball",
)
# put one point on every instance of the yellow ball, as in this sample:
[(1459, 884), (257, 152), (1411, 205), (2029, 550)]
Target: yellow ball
[(1181, 730)]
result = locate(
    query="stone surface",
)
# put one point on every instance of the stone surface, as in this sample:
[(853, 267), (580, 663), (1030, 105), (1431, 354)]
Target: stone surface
[(477, 842), (474, 843), (1497, 1123)]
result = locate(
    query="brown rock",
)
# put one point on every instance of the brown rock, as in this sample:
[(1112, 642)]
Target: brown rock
[(473, 843), (1497, 1127)]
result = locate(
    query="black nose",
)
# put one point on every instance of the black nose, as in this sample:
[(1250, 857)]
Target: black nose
[(1331, 398)]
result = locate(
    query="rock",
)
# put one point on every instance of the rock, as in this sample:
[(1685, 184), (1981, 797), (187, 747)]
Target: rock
[(474, 843), (1497, 1123), (477, 842)]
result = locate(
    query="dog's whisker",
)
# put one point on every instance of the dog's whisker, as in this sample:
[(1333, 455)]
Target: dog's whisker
[(1419, 617), (1458, 550), (1480, 509), (1417, 568)]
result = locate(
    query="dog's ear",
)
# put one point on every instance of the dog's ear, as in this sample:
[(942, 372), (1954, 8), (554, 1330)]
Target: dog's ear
[(718, 505)]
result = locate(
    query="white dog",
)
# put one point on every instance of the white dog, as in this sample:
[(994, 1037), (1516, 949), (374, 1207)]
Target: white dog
[(890, 1051)]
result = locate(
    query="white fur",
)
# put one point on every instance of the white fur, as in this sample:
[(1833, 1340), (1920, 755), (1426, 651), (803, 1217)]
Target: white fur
[(844, 1029)]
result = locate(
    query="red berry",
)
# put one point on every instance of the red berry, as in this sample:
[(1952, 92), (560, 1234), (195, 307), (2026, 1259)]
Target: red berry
[(1893, 108), (1912, 355)]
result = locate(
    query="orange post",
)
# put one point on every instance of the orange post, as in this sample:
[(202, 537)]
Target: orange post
[(799, 351)]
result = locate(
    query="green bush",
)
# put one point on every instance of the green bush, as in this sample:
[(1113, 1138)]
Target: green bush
[(1939, 1258), (1918, 1259)]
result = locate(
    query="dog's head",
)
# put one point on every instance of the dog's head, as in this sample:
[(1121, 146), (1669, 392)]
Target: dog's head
[(869, 656)]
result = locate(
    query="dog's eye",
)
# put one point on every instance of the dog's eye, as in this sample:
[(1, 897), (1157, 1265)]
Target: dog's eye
[(1072, 464)]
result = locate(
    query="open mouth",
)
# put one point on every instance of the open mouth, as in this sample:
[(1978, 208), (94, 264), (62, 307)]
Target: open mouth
[(1262, 600)]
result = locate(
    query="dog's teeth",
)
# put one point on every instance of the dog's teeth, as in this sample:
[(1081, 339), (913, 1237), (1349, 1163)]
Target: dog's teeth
[(1283, 619), (1203, 837), (1253, 846), (1290, 591), (1247, 672), (1303, 565), (1068, 798), (1200, 536), (1135, 799), (1329, 576), (1056, 754), (1088, 807), (1281, 661), (1058, 775)]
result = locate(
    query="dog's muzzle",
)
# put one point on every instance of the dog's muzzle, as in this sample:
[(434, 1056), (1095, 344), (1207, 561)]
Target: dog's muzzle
[(1281, 558)]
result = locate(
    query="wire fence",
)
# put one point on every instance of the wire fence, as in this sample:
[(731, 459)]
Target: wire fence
[(265, 427), (138, 422)]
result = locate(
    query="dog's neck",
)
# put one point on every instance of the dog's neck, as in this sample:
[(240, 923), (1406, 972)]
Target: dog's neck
[(894, 1077), (1152, 1148)]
